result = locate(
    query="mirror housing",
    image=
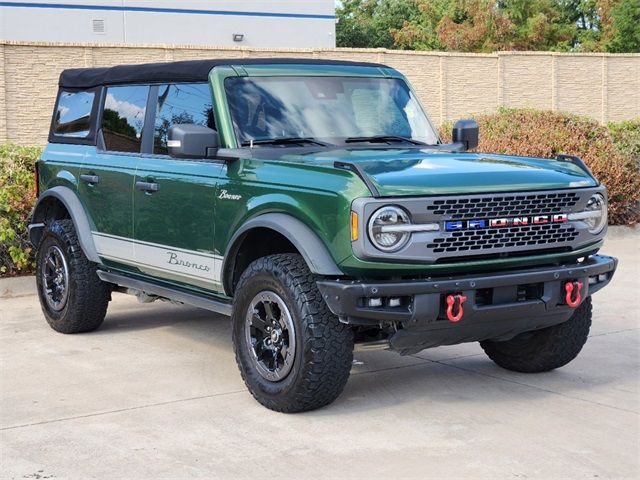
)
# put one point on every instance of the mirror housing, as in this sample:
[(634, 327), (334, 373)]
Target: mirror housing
[(189, 140), (466, 132)]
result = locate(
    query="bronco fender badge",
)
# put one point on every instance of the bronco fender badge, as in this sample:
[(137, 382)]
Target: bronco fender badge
[(475, 224), (228, 196)]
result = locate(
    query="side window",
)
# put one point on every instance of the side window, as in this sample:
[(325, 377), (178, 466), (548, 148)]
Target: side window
[(181, 103), (123, 118), (73, 115)]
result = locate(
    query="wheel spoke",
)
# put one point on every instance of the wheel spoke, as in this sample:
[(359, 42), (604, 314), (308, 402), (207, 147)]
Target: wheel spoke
[(51, 263), (258, 322), (274, 359), (268, 309)]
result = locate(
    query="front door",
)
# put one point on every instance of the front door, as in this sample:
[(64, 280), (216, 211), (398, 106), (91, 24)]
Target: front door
[(174, 198)]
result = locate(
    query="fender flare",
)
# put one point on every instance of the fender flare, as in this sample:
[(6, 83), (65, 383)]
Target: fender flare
[(312, 249), (78, 216)]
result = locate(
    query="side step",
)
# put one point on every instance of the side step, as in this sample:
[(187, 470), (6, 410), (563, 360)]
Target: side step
[(165, 292)]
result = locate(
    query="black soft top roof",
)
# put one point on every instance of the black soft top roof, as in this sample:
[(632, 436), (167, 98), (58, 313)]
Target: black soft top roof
[(185, 71)]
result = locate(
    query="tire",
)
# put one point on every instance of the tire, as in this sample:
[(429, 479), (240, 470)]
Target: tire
[(80, 304), (545, 349), (319, 349)]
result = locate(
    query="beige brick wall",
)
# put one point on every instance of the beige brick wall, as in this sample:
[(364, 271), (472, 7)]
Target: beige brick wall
[(450, 85)]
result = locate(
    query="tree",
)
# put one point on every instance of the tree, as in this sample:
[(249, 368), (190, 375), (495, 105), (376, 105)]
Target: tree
[(621, 26), (369, 23), (421, 31), (490, 25), (475, 26)]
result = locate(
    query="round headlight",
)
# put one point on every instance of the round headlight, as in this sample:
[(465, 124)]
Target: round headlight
[(598, 220), (383, 229)]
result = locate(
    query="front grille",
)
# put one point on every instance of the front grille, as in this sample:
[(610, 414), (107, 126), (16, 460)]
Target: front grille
[(529, 236), (525, 224), (504, 205)]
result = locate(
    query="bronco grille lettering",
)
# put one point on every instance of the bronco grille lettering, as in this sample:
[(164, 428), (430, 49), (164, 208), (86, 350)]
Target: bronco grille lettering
[(477, 224)]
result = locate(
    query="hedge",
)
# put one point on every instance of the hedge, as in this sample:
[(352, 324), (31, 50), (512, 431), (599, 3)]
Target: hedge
[(17, 196), (612, 152)]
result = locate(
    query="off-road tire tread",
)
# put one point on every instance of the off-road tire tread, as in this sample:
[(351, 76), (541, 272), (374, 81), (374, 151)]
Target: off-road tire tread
[(89, 296), (328, 350), (548, 348)]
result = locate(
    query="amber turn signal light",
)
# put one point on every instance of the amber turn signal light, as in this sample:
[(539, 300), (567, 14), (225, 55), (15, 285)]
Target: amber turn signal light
[(354, 226)]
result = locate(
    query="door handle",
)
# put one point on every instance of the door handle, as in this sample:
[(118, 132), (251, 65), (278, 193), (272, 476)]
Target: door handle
[(90, 179), (148, 187)]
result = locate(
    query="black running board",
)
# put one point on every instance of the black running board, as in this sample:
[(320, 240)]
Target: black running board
[(149, 288)]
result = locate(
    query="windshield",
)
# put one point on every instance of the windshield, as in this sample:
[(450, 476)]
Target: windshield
[(329, 109)]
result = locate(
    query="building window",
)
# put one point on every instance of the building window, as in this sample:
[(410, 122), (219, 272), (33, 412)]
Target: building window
[(73, 116), (178, 104), (123, 118)]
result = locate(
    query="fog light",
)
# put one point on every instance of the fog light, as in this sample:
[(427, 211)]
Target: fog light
[(374, 302), (394, 302)]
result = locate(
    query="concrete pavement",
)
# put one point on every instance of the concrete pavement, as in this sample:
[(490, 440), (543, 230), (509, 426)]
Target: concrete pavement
[(155, 393)]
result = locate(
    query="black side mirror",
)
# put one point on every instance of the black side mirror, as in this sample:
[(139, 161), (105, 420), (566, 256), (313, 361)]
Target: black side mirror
[(466, 133), (188, 140)]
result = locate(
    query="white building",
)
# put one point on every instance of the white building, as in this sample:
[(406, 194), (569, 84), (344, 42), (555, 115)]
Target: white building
[(256, 23)]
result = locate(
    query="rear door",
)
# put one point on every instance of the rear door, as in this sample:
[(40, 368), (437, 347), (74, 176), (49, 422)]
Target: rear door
[(107, 176), (174, 218)]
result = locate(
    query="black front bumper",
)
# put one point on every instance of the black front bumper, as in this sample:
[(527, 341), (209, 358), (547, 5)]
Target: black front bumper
[(498, 306)]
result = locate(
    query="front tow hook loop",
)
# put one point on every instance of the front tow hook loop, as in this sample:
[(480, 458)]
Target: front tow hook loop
[(455, 301), (569, 288)]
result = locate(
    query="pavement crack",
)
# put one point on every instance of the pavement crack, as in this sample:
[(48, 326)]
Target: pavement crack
[(137, 407), (393, 368), (614, 332), (448, 359), (553, 392)]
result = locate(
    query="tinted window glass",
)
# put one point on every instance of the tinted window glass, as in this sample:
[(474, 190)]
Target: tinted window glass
[(123, 118), (182, 103), (73, 116)]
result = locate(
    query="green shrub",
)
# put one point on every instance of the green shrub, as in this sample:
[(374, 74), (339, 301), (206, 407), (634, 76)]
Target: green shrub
[(626, 135), (17, 196), (609, 154)]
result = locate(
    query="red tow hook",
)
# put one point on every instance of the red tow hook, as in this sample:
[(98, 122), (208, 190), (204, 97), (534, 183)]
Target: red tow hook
[(455, 301), (569, 288)]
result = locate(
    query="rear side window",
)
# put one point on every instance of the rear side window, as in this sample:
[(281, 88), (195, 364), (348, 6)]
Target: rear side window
[(73, 114), (123, 118), (181, 103)]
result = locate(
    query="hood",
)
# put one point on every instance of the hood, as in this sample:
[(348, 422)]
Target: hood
[(412, 172)]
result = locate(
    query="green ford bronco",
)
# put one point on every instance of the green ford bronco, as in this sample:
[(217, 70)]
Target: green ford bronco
[(315, 204)]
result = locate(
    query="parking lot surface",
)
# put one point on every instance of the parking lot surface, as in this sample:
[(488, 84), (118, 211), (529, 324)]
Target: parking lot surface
[(155, 393)]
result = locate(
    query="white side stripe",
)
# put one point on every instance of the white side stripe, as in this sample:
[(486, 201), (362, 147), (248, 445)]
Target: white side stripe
[(191, 264)]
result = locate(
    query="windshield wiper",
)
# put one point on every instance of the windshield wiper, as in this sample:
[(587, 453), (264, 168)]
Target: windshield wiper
[(284, 141), (383, 139)]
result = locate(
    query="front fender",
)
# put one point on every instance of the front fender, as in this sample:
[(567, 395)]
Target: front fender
[(314, 252)]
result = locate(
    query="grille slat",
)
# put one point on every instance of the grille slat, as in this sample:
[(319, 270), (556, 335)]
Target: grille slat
[(527, 236), (491, 206)]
